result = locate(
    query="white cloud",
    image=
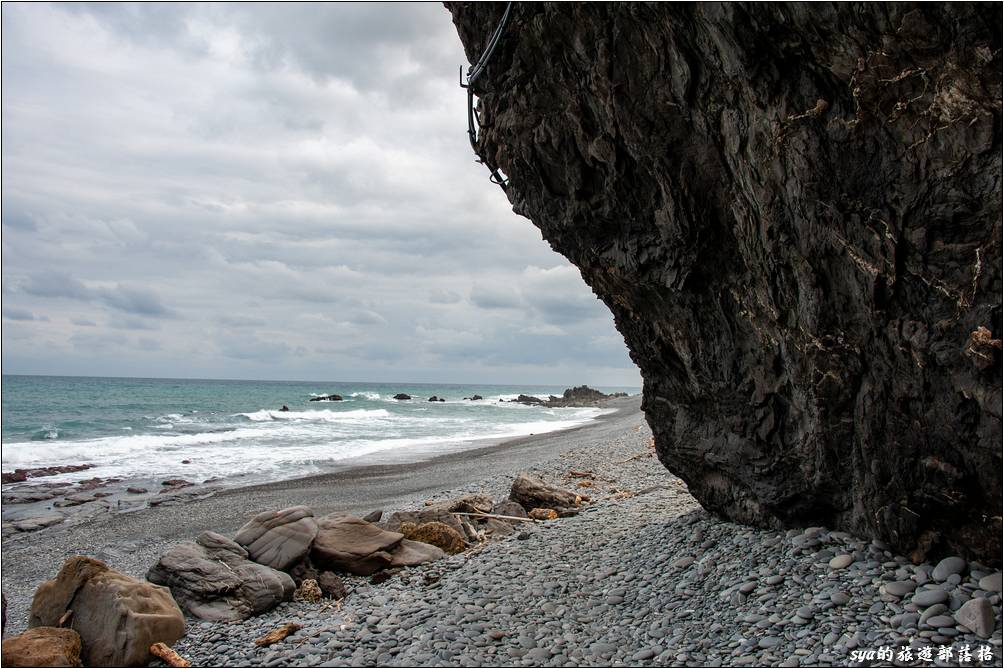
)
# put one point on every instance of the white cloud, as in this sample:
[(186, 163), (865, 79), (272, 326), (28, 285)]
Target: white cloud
[(268, 191)]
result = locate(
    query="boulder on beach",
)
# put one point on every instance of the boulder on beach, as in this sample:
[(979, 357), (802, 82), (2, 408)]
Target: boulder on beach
[(43, 647), (533, 493), (471, 504), (413, 553), (438, 513), (350, 544), (279, 539), (213, 579), (402, 396), (507, 507), (117, 616), (437, 534)]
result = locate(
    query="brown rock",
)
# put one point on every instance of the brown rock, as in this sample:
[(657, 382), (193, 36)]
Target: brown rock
[(413, 553), (543, 514), (507, 507), (471, 504), (118, 617), (533, 493), (43, 647), (279, 539), (436, 534), (373, 516), (308, 591), (329, 582), (433, 514), (331, 585), (350, 544)]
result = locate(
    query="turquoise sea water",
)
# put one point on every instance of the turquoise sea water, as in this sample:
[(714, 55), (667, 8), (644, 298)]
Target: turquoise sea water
[(145, 428)]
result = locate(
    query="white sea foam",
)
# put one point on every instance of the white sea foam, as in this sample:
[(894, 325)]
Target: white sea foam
[(366, 395), (269, 445), (323, 415)]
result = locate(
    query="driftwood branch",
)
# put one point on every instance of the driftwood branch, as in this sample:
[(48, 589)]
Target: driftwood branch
[(168, 655), (278, 634), (495, 515)]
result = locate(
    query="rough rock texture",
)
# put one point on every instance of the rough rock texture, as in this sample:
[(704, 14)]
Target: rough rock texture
[(279, 539), (349, 544), (213, 579), (794, 213), (436, 534), (413, 553), (43, 647), (331, 586), (532, 493), (117, 617)]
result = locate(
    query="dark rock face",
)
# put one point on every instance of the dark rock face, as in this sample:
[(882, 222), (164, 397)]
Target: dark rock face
[(794, 213)]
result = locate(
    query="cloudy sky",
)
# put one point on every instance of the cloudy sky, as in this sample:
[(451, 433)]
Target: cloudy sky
[(268, 191)]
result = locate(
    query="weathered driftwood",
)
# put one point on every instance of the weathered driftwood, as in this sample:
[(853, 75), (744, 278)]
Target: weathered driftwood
[(168, 655), (493, 515), (532, 493), (278, 634)]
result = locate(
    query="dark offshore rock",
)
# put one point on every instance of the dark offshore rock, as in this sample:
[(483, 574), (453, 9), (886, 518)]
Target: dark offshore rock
[(793, 212)]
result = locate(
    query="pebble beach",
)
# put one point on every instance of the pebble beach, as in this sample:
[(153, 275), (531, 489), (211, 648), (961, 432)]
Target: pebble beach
[(642, 576)]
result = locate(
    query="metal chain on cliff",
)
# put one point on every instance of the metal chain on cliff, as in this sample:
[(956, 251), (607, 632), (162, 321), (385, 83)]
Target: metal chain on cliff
[(473, 74)]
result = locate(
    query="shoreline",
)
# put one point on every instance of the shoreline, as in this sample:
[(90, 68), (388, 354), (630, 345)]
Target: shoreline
[(142, 534), (119, 495), (641, 576)]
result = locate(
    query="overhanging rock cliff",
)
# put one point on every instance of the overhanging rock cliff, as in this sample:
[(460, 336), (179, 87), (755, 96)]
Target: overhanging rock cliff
[(794, 213)]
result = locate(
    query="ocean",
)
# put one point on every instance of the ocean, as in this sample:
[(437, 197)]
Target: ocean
[(143, 429)]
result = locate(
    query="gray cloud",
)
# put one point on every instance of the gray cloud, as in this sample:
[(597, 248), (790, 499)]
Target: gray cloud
[(15, 314), (268, 191)]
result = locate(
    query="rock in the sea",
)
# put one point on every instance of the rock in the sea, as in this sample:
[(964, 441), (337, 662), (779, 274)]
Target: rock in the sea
[(213, 579), (474, 398), (435, 398), (350, 544), (435, 533), (402, 396), (117, 617), (43, 647), (532, 493), (279, 539), (326, 398), (978, 615), (794, 214), (19, 475)]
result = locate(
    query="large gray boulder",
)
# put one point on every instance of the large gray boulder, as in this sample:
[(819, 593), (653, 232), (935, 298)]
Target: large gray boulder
[(279, 539), (117, 616), (213, 579)]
